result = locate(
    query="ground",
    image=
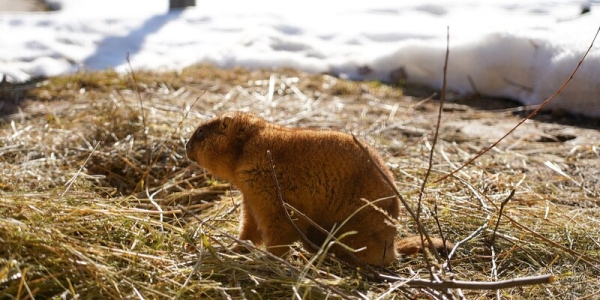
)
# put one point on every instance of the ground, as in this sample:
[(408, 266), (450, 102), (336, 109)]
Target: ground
[(100, 156)]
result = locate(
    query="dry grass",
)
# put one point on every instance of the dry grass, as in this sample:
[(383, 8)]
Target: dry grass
[(95, 205)]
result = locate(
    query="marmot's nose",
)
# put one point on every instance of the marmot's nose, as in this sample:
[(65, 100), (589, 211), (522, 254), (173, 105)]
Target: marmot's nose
[(197, 136), (188, 148)]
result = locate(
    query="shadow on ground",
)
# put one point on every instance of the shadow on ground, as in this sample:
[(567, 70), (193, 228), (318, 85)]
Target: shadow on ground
[(113, 50), (484, 103)]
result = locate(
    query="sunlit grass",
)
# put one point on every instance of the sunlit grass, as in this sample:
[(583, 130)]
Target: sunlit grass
[(98, 201)]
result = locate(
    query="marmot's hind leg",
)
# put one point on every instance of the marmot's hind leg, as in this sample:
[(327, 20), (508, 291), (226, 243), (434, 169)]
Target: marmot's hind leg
[(374, 243)]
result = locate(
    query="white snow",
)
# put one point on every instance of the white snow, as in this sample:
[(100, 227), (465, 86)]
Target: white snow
[(522, 50)]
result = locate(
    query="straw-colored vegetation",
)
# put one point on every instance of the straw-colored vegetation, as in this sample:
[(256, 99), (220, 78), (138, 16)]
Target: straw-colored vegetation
[(98, 201)]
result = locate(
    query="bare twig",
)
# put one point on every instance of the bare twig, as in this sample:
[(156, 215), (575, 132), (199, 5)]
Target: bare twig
[(354, 260), (282, 204), (473, 86), (595, 263), (186, 113), (473, 285), (72, 180), (158, 207), (523, 87), (512, 193), (494, 268), (492, 247), (530, 115), (435, 138), (481, 228), (430, 166), (420, 226), (137, 89), (592, 261)]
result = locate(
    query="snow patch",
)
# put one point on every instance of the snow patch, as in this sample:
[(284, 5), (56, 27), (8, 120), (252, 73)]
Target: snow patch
[(505, 48)]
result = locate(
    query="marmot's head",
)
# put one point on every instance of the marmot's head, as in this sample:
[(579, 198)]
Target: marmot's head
[(217, 144)]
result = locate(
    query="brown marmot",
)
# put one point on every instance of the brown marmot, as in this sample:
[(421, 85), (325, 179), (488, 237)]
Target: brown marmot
[(323, 174)]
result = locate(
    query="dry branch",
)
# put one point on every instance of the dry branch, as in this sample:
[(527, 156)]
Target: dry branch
[(512, 193), (471, 285), (420, 226), (431, 152), (282, 205)]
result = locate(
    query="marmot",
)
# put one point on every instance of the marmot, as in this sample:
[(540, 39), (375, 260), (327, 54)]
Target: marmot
[(323, 174)]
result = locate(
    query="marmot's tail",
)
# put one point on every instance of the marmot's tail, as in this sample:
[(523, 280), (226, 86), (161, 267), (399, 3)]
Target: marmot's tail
[(412, 245)]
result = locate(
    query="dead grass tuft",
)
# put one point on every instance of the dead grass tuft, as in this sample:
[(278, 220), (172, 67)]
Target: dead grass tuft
[(97, 199)]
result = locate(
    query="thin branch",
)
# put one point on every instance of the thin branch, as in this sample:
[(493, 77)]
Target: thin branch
[(72, 180), (494, 268), (186, 112), (492, 247), (473, 86), (437, 129), (593, 262), (512, 193), (474, 285), (354, 260), (530, 115), (282, 204), (332, 234), (420, 226), (484, 224), (139, 94), (523, 87)]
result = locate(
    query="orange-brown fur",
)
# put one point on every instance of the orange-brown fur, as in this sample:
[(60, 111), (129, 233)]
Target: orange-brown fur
[(323, 174)]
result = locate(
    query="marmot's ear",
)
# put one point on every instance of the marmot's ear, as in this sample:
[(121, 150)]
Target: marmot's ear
[(225, 123)]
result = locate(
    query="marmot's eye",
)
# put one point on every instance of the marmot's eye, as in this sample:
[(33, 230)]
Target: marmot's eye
[(199, 132)]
